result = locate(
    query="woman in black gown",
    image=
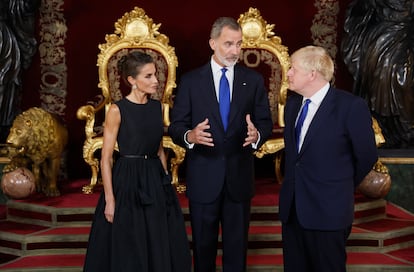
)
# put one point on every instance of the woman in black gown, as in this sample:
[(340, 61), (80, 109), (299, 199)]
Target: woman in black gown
[(138, 224)]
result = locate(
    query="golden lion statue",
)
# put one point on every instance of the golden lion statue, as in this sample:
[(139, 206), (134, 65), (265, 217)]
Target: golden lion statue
[(39, 138)]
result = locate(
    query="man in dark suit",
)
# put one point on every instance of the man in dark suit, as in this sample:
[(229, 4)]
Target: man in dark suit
[(220, 145), (329, 155)]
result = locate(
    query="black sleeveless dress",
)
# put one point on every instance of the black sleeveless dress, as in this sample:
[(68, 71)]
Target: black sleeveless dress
[(148, 232)]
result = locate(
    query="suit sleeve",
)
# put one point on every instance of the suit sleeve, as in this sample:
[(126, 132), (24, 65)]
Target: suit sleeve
[(359, 124), (181, 114), (262, 116)]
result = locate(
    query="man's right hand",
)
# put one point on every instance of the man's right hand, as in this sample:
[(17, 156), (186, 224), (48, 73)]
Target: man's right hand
[(199, 135)]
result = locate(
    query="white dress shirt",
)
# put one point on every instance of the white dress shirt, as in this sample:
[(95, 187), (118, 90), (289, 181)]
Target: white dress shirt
[(216, 69), (313, 107)]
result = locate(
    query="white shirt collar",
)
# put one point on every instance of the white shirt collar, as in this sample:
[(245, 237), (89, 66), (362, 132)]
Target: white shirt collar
[(216, 68), (319, 95)]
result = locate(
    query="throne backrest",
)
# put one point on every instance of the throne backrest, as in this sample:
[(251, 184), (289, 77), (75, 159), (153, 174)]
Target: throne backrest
[(136, 31), (264, 52)]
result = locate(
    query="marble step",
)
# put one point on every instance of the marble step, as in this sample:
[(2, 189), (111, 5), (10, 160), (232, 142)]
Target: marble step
[(72, 262)]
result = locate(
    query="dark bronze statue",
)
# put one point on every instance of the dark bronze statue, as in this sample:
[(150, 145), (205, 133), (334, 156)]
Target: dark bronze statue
[(17, 47), (378, 48)]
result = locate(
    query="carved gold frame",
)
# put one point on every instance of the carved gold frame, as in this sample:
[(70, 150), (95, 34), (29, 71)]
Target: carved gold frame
[(258, 34), (134, 30)]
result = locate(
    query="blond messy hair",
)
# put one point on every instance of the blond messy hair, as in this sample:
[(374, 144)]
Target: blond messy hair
[(315, 58)]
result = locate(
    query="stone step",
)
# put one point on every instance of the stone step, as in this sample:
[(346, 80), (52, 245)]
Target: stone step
[(49, 213), (380, 235), (72, 262), (22, 239), (42, 228)]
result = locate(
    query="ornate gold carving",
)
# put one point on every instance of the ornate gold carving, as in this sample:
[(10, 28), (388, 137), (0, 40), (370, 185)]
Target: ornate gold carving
[(246, 60), (147, 37), (379, 137), (39, 140), (261, 46), (258, 35), (175, 161), (133, 31), (270, 146), (380, 167)]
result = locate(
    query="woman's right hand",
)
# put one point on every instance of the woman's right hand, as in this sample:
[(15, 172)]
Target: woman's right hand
[(109, 210)]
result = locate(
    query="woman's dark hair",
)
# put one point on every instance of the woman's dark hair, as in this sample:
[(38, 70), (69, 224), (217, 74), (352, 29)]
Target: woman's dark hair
[(131, 64)]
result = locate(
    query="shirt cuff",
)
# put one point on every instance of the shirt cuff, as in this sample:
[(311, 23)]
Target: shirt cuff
[(254, 145), (189, 146)]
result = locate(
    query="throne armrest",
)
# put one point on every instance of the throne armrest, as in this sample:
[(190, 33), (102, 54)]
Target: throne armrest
[(270, 146), (88, 113), (93, 140)]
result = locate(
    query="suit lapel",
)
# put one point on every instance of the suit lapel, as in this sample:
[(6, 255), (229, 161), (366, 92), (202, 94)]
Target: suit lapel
[(239, 91), (294, 111), (208, 93), (319, 120)]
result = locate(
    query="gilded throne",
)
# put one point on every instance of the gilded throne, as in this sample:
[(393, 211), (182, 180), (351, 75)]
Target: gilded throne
[(264, 52), (133, 31)]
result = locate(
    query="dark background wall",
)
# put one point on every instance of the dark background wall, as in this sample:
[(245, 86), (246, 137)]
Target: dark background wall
[(186, 22)]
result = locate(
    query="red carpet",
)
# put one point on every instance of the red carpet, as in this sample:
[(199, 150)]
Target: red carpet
[(266, 190), (267, 194), (71, 196), (76, 260), (61, 260), (3, 211)]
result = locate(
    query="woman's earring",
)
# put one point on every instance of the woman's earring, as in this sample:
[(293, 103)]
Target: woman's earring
[(134, 87)]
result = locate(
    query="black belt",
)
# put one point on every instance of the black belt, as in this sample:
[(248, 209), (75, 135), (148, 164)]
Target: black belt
[(145, 157)]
